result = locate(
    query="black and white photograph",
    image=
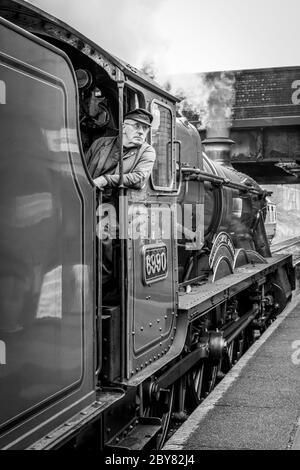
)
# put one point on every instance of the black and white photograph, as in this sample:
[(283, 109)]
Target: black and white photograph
[(149, 228)]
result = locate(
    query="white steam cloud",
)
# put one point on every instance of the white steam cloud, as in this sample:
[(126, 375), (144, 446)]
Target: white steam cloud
[(208, 96)]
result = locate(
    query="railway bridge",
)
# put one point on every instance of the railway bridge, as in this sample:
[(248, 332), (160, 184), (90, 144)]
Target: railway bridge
[(265, 123)]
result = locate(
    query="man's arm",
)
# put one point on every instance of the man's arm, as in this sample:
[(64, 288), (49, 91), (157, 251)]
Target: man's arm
[(140, 173)]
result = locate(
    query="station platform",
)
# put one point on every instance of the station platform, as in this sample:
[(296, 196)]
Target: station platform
[(257, 404)]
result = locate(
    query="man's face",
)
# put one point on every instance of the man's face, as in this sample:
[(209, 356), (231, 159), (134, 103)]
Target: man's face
[(134, 133)]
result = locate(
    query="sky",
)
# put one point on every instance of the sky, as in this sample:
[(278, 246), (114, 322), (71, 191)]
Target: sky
[(184, 36)]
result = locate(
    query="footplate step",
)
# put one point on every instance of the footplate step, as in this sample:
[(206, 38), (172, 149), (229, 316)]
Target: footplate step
[(140, 436)]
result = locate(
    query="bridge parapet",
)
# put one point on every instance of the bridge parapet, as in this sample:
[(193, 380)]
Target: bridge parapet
[(266, 124)]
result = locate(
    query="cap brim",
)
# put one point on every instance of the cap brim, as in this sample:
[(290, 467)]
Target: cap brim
[(147, 123)]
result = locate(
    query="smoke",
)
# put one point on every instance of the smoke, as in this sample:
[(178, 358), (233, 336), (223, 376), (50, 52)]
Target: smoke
[(205, 97)]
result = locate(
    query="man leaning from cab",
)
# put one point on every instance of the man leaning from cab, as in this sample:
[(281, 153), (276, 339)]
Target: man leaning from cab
[(138, 156)]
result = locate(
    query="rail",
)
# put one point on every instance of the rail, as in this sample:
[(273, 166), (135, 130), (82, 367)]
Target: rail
[(285, 244), (291, 245)]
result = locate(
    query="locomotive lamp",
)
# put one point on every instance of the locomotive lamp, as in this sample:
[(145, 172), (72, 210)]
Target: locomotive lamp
[(217, 144)]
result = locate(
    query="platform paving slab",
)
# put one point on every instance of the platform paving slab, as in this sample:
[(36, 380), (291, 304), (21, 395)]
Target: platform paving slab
[(242, 427)]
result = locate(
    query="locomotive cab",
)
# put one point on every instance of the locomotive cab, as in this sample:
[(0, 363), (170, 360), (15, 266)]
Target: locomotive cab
[(47, 260), (144, 247)]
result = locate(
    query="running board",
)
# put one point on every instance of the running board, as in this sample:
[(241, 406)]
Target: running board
[(140, 437), (203, 298)]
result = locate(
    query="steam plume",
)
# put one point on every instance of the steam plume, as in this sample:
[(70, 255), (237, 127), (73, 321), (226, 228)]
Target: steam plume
[(209, 97)]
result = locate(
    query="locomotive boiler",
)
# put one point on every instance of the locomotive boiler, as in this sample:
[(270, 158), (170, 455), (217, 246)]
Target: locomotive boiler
[(193, 274)]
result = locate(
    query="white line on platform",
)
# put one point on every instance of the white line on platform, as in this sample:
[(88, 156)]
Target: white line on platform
[(180, 437)]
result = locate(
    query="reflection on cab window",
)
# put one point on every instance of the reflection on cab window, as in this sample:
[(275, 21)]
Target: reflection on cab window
[(237, 207), (50, 301), (241, 215), (161, 138), (55, 283)]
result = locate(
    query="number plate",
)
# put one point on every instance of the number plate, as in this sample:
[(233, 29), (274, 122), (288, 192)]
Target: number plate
[(155, 263)]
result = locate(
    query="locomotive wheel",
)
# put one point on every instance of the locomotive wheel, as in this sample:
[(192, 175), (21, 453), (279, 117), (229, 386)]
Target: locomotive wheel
[(163, 410), (249, 337), (240, 340), (279, 296), (212, 377), (201, 380), (231, 352), (196, 387), (235, 350), (229, 358)]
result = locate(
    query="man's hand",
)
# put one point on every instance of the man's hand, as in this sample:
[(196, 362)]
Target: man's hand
[(101, 182)]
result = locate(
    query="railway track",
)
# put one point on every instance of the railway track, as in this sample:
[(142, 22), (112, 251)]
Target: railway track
[(291, 245)]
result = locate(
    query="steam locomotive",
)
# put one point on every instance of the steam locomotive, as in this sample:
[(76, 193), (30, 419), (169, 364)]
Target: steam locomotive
[(193, 270)]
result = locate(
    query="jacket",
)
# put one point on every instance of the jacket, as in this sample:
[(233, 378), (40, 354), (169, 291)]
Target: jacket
[(103, 159)]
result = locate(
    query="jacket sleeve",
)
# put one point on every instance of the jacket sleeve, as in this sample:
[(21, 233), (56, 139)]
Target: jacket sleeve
[(138, 176), (92, 156), (89, 154), (97, 154)]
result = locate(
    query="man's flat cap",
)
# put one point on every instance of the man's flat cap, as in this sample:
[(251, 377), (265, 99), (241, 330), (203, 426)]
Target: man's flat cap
[(140, 115)]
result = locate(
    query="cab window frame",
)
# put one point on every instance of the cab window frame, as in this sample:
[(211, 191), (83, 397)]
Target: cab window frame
[(172, 186)]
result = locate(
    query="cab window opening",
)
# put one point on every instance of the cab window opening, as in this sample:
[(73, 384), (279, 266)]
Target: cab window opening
[(133, 99), (161, 140)]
